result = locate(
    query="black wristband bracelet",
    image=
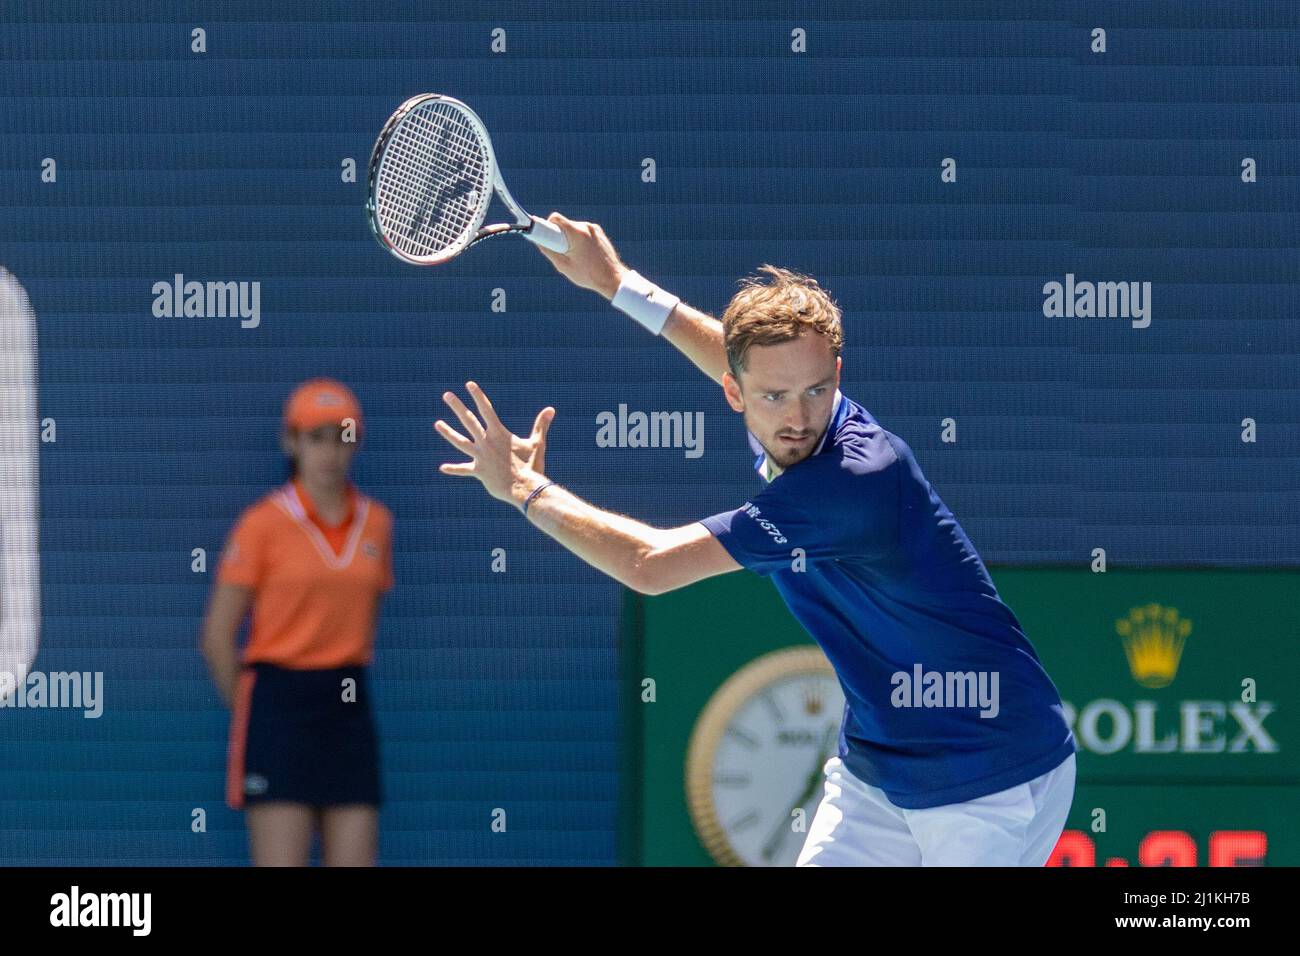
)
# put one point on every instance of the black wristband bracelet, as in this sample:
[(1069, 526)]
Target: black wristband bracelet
[(535, 492)]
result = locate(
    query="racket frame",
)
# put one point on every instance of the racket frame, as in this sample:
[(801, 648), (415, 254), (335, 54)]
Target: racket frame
[(539, 231)]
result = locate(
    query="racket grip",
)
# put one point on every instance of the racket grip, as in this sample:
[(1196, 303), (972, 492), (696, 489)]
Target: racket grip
[(548, 234)]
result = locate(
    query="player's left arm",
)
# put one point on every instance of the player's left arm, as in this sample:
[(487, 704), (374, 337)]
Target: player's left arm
[(647, 559)]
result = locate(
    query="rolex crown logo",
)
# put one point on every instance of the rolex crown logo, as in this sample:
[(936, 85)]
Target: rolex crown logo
[(813, 700), (1153, 639)]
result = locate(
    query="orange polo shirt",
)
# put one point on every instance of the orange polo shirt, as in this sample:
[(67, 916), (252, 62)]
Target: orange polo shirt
[(315, 587)]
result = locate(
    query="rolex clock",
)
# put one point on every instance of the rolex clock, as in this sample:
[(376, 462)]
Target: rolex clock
[(754, 763)]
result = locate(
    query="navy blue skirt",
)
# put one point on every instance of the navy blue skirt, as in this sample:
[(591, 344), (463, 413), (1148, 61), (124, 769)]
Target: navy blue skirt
[(303, 737)]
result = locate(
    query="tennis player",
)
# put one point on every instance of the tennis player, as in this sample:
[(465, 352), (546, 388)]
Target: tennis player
[(954, 748), (312, 560)]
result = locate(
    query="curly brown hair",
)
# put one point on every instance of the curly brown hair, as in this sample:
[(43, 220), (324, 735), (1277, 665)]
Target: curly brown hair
[(778, 311)]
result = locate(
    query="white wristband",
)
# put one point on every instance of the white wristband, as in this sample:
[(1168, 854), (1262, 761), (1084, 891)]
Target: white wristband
[(644, 301)]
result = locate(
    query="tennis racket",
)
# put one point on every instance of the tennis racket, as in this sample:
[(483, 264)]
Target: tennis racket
[(431, 179)]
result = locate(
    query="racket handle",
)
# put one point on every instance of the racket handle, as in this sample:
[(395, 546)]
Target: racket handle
[(548, 234)]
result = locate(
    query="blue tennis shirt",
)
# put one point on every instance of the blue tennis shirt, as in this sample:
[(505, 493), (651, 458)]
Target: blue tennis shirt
[(945, 698)]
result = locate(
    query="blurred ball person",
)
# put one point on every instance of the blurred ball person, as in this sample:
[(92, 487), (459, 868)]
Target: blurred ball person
[(312, 559), (20, 560)]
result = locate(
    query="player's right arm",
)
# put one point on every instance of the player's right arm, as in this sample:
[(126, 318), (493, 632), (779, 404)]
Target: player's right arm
[(592, 263), (699, 338)]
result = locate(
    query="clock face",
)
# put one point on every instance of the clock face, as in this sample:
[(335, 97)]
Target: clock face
[(756, 757)]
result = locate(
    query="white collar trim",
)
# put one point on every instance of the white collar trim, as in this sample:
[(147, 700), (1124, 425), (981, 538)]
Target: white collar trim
[(289, 502)]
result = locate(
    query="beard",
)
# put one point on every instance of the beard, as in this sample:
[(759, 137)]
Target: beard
[(784, 454)]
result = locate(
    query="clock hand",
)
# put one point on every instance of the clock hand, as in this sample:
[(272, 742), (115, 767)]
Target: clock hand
[(810, 787), (815, 777)]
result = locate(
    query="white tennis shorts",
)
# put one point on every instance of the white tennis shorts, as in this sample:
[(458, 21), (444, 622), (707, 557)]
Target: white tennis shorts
[(856, 825)]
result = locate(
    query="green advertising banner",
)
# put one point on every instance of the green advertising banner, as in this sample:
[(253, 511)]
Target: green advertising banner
[(1181, 686)]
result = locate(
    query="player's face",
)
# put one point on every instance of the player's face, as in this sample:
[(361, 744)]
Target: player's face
[(323, 456), (786, 393)]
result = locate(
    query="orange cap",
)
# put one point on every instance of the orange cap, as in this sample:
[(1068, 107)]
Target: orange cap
[(321, 401)]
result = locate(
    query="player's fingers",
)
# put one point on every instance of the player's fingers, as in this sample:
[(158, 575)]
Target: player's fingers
[(572, 226), (455, 437), (543, 422), (467, 419), (485, 408), (457, 468)]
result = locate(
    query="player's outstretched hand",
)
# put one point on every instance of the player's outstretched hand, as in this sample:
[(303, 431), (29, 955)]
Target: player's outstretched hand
[(591, 262), (499, 459)]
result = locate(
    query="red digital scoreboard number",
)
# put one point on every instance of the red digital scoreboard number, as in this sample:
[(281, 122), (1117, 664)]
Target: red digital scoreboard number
[(1167, 848)]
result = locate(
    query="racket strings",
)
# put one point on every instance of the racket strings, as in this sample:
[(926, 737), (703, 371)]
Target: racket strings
[(431, 182)]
